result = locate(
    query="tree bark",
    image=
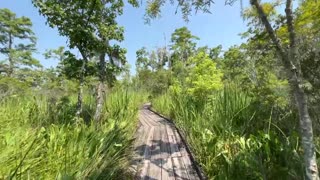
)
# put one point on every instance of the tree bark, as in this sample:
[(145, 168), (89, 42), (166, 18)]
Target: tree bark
[(10, 58), (81, 83), (100, 88), (292, 66), (301, 101), (80, 95)]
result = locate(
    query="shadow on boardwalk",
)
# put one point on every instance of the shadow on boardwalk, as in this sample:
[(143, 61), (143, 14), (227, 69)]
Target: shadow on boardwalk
[(159, 151)]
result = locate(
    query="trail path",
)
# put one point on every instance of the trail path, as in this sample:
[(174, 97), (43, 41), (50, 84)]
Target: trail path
[(160, 154)]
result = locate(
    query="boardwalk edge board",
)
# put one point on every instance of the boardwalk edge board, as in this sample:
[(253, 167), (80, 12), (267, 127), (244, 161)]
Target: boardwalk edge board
[(195, 164)]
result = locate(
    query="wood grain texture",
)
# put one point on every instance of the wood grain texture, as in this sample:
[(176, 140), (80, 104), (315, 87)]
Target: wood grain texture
[(159, 152)]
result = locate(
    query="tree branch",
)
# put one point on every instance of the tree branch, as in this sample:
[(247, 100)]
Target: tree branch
[(271, 32), (292, 38)]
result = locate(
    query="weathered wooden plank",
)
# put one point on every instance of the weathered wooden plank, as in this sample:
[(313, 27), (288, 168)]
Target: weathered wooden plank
[(155, 117), (167, 172), (192, 174), (166, 164), (155, 165), (174, 148), (145, 120), (138, 144), (148, 144), (169, 129), (180, 144), (144, 169), (140, 137), (151, 119), (165, 144), (159, 150), (179, 169), (147, 154), (143, 154), (185, 158)]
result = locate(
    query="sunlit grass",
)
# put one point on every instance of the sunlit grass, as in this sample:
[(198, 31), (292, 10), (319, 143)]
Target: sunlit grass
[(41, 139), (232, 138)]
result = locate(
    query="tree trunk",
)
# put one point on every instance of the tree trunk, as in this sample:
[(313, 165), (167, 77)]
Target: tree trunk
[(11, 63), (80, 89), (81, 83), (100, 88), (306, 132), (301, 101), (80, 98), (292, 66)]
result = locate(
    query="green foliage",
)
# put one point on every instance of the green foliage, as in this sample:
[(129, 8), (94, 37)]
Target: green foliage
[(154, 60), (90, 27), (307, 26), (249, 128), (79, 19), (183, 45), (251, 15), (235, 66), (153, 8), (58, 54), (234, 109), (161, 104), (10, 86), (13, 29), (237, 141), (203, 77), (41, 140), (151, 72), (254, 70), (155, 83), (158, 69), (70, 67), (142, 62)]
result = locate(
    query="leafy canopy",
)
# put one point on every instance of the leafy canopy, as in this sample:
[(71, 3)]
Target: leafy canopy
[(17, 41), (204, 77)]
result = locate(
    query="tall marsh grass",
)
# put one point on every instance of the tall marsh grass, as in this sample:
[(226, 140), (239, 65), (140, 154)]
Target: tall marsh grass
[(232, 138), (40, 138)]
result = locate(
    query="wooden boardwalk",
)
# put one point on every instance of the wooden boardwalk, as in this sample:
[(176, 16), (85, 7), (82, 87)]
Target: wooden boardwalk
[(159, 151)]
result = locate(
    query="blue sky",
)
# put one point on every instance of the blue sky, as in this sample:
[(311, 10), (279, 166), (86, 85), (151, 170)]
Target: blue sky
[(220, 27)]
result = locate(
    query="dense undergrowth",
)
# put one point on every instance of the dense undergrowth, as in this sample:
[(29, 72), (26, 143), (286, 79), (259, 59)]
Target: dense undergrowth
[(235, 137), (235, 105), (41, 139)]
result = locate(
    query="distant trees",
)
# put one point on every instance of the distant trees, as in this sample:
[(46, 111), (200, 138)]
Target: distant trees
[(17, 42), (183, 45), (291, 63), (151, 69), (184, 67), (89, 26), (203, 76), (277, 66), (287, 52)]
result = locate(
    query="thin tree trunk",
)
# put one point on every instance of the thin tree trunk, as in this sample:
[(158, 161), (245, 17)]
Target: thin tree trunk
[(100, 88), (301, 101), (11, 63), (81, 83), (306, 133), (292, 66)]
